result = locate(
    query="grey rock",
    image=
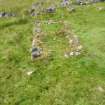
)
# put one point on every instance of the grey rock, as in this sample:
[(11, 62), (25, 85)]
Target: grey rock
[(84, 2), (36, 52), (65, 3), (51, 10), (6, 14), (2, 14)]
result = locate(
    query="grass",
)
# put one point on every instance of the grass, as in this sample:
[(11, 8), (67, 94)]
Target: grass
[(55, 80)]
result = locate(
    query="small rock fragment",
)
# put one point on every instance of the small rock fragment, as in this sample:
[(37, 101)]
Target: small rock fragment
[(77, 53), (65, 3), (70, 41), (79, 47), (37, 30), (71, 53), (29, 73), (51, 10)]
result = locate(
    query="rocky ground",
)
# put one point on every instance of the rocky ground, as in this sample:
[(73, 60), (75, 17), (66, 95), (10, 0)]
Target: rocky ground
[(52, 52)]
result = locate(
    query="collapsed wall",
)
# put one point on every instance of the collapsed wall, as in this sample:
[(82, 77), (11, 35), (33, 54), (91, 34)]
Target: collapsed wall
[(88, 1)]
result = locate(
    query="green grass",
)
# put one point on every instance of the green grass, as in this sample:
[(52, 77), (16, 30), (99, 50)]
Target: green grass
[(55, 80)]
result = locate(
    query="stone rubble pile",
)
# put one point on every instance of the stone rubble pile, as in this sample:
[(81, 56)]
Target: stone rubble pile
[(51, 10), (38, 49), (65, 3), (38, 8), (74, 45), (85, 2)]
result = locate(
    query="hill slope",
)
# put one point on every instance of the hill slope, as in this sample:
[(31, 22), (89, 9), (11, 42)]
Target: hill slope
[(55, 80)]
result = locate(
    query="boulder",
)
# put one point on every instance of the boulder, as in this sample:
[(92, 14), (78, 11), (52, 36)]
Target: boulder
[(36, 52), (51, 10)]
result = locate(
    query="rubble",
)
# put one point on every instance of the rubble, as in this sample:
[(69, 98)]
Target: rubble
[(101, 8), (51, 10), (85, 2), (71, 53), (74, 45), (6, 14), (65, 3)]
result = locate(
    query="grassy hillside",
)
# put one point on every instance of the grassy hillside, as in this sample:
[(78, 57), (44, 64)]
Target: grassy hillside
[(55, 80)]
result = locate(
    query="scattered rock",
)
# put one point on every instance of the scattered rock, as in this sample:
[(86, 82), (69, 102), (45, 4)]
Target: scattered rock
[(79, 47), (29, 73), (37, 28), (51, 10), (36, 9), (6, 14), (34, 14), (81, 2), (75, 46), (71, 53), (85, 2), (65, 3), (77, 53)]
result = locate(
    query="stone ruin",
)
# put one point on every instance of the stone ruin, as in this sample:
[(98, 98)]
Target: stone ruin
[(74, 47), (84, 2), (38, 8), (65, 3), (38, 49)]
